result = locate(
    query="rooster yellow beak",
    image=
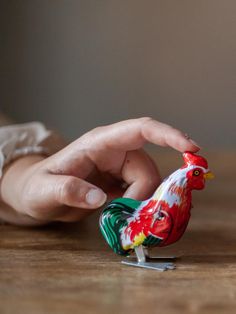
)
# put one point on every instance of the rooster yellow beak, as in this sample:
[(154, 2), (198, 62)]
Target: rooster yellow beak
[(209, 175)]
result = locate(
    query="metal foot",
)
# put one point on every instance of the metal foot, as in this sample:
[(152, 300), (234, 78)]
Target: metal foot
[(142, 261), (161, 257), (149, 257), (149, 265)]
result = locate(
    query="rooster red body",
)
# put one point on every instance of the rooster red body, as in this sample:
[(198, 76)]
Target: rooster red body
[(160, 220)]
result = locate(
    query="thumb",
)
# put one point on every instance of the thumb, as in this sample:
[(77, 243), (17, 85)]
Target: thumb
[(75, 192), (71, 191)]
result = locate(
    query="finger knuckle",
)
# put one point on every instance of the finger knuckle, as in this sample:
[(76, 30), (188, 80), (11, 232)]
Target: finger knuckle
[(95, 131), (145, 119), (66, 189)]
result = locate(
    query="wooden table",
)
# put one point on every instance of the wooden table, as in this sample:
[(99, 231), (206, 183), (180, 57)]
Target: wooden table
[(68, 268)]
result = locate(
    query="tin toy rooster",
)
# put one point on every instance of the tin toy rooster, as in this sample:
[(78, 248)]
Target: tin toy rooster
[(130, 226)]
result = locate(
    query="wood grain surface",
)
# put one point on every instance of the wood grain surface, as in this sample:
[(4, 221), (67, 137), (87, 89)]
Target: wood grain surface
[(68, 268)]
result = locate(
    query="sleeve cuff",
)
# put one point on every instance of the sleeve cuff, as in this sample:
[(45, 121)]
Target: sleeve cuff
[(22, 139)]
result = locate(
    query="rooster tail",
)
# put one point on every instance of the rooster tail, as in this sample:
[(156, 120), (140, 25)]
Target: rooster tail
[(113, 219)]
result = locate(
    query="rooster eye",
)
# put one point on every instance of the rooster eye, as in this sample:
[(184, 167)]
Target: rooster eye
[(196, 173)]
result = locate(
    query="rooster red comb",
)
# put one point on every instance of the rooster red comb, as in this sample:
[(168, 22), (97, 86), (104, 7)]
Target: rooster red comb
[(196, 160)]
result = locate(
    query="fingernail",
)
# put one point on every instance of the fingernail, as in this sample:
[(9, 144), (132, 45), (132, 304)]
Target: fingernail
[(96, 197), (194, 143)]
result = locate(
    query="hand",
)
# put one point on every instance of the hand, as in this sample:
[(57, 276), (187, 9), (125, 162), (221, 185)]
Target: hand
[(106, 162)]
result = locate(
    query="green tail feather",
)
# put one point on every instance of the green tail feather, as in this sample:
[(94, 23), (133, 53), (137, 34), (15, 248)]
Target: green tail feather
[(114, 218)]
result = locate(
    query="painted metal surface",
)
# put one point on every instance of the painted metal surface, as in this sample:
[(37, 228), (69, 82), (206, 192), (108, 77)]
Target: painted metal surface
[(161, 220)]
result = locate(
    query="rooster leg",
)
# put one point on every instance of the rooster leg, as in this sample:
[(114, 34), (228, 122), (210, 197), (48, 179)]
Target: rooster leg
[(140, 254), (142, 262)]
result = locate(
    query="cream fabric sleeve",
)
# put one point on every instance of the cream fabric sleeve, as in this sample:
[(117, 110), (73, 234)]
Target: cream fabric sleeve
[(23, 139)]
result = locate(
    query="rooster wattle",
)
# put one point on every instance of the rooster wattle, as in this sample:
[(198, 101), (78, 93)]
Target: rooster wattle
[(129, 225)]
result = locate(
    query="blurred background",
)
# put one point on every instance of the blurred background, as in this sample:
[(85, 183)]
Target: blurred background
[(77, 64)]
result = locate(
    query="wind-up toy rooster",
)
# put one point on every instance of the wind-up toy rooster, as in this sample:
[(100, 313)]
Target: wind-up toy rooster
[(129, 225)]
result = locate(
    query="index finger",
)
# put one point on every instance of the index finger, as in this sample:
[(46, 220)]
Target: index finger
[(132, 134), (101, 145)]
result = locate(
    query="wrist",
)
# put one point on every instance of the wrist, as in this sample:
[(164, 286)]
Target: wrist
[(13, 177)]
